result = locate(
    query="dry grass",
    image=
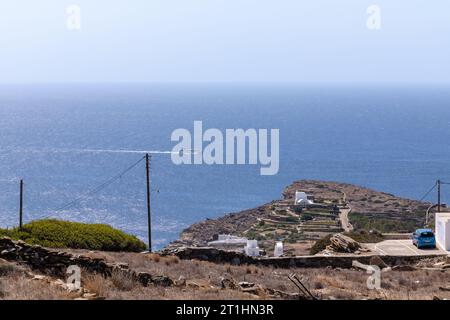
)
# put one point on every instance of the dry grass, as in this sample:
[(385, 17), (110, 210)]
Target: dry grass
[(95, 283), (21, 288), (123, 281), (16, 285), (325, 282), (204, 281), (155, 293)]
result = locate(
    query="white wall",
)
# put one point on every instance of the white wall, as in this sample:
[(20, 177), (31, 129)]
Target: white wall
[(442, 226)]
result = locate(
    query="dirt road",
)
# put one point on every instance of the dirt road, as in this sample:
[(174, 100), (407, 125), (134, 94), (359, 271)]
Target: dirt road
[(345, 223)]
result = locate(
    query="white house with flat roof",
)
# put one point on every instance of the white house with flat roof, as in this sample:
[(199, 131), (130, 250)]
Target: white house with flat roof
[(442, 226), (225, 240), (301, 198)]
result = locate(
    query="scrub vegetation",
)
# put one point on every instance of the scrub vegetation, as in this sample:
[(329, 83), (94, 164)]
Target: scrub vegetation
[(64, 234)]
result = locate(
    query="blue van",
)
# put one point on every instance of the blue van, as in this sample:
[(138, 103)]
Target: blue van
[(422, 238)]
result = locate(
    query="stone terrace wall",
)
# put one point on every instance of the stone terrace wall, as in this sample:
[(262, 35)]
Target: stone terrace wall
[(338, 261), (56, 263)]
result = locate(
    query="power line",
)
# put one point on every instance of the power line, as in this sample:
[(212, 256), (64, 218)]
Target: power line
[(100, 187), (429, 191)]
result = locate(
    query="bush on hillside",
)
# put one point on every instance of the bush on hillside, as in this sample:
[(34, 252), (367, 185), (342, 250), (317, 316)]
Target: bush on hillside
[(384, 224), (65, 234)]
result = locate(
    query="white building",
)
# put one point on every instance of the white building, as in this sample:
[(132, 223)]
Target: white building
[(227, 240), (442, 226), (278, 251), (301, 198), (252, 249)]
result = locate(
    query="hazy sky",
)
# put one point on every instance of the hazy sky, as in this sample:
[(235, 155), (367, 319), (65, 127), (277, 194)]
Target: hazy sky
[(225, 40)]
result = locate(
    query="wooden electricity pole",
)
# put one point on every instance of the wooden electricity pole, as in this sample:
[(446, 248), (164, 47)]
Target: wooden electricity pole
[(439, 195), (147, 167), (21, 205)]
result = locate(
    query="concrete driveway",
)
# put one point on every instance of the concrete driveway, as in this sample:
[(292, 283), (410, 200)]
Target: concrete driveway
[(400, 248)]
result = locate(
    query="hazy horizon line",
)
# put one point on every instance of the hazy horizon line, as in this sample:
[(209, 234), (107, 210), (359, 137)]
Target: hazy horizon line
[(243, 83)]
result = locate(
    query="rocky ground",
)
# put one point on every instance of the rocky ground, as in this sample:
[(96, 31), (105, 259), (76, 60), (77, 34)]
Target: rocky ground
[(30, 272)]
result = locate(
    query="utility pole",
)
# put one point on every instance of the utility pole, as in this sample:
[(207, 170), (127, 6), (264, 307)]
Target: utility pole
[(439, 195), (21, 205), (147, 167)]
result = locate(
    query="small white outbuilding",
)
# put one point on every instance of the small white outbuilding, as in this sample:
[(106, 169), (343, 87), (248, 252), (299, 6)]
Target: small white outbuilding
[(278, 251), (301, 198), (442, 226), (252, 249)]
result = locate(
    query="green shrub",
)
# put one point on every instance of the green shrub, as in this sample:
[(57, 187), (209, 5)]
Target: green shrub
[(385, 224), (251, 234), (298, 209), (294, 238), (65, 234), (291, 219)]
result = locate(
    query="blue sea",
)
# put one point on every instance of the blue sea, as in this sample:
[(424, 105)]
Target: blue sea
[(65, 140)]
